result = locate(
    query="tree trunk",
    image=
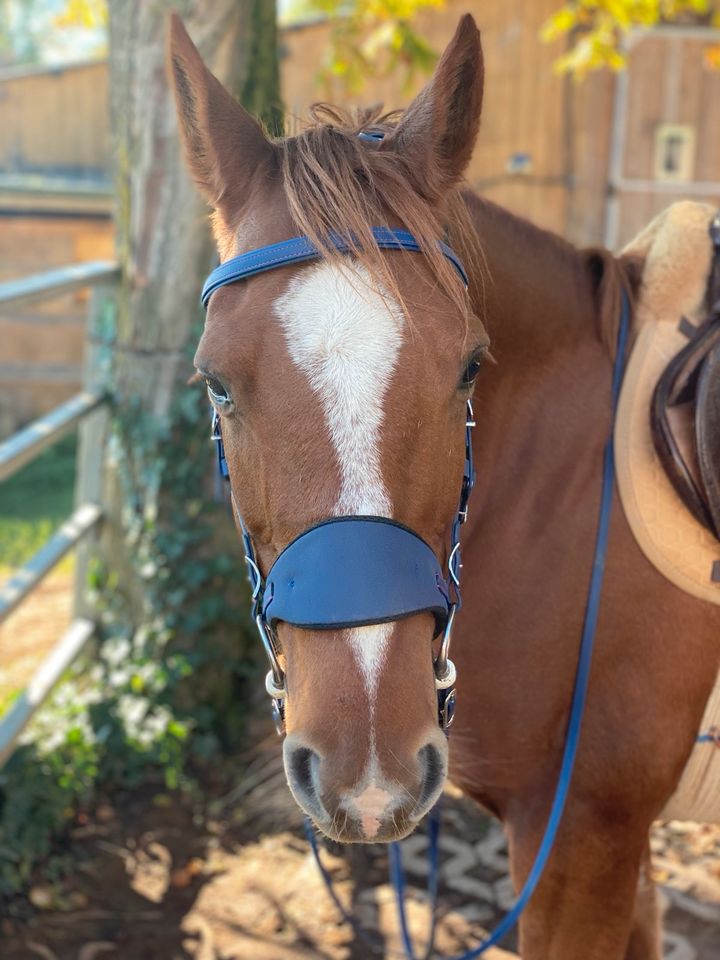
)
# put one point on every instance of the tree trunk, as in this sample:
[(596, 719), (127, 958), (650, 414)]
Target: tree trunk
[(162, 236), (168, 574)]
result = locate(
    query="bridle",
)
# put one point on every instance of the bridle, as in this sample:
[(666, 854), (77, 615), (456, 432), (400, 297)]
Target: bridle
[(409, 547), (322, 579)]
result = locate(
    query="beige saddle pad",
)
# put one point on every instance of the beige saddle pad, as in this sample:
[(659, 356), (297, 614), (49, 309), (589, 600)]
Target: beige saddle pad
[(677, 251)]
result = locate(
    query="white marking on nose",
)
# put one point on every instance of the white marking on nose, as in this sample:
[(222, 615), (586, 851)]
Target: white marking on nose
[(346, 336), (370, 806), (370, 646)]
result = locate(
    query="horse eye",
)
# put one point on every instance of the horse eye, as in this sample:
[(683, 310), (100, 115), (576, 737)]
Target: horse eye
[(219, 397), (472, 369)]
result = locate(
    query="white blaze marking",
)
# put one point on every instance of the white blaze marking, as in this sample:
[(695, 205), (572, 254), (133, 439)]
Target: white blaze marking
[(345, 337), (370, 644), (370, 806)]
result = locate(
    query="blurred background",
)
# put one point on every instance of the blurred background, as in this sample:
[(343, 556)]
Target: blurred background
[(142, 800)]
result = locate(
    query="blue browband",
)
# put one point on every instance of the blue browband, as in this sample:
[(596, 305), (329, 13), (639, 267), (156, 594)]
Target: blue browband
[(349, 571), (301, 249)]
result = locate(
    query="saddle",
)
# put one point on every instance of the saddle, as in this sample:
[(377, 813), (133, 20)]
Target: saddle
[(685, 410)]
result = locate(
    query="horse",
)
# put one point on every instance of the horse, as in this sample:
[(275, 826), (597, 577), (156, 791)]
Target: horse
[(340, 388)]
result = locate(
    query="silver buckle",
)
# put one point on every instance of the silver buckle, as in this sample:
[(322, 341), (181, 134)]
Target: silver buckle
[(256, 578), (454, 574), (276, 677), (470, 421), (445, 672)]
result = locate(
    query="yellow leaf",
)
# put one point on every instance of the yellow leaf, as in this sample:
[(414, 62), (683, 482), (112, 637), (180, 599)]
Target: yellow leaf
[(620, 13), (378, 40), (83, 13), (558, 24), (614, 59), (711, 57)]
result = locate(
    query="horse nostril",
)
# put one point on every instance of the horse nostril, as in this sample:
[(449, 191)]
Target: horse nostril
[(300, 769), (432, 761)]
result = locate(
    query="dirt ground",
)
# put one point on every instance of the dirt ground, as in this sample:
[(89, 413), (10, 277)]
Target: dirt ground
[(157, 877)]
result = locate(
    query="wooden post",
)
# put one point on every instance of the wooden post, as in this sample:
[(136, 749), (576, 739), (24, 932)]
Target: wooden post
[(93, 431)]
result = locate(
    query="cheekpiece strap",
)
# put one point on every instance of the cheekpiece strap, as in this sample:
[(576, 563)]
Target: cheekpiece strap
[(468, 482), (301, 249), (216, 435)]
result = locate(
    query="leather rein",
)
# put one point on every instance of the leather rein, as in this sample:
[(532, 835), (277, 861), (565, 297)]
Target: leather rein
[(360, 601)]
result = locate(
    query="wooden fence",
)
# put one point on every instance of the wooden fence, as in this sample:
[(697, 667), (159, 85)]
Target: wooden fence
[(87, 411), (54, 121)]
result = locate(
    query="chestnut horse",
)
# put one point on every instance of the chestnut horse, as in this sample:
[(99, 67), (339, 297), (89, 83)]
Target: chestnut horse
[(341, 388)]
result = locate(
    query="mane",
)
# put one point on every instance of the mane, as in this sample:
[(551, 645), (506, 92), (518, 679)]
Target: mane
[(605, 275), (613, 276), (335, 180)]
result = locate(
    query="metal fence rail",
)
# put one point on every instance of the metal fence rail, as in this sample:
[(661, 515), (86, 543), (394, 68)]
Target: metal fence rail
[(53, 283), (85, 410), (24, 581), (14, 721), (25, 445)]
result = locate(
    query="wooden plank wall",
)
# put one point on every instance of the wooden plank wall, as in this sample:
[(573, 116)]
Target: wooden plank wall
[(527, 109), (58, 120), (55, 121), (42, 345), (668, 82)]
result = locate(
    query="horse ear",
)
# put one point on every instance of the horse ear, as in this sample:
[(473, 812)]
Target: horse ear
[(436, 134), (223, 144)]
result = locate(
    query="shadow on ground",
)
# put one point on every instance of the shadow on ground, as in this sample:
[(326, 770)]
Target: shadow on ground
[(158, 877)]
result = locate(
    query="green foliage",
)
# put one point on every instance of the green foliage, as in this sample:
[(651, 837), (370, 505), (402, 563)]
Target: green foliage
[(35, 501), (92, 733), (33, 31), (370, 38), (172, 658), (596, 28)]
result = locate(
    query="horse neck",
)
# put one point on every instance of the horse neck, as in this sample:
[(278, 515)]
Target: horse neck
[(540, 292), (543, 410)]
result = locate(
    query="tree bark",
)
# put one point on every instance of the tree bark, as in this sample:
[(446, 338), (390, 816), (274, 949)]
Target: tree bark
[(163, 240), (165, 250)]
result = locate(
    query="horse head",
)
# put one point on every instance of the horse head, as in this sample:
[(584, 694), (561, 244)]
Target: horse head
[(341, 387)]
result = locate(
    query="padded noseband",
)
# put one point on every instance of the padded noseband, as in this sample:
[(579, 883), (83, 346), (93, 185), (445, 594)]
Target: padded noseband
[(354, 571)]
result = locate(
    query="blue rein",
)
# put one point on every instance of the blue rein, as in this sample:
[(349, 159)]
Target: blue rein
[(582, 678), (307, 586)]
